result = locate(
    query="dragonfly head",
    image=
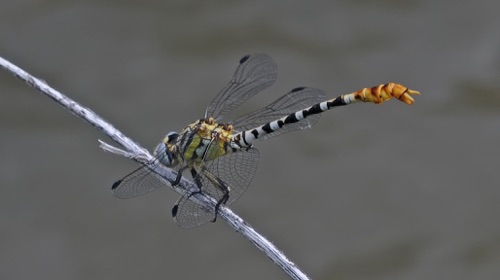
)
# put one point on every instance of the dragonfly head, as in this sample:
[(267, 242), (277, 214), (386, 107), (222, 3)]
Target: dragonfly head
[(163, 151)]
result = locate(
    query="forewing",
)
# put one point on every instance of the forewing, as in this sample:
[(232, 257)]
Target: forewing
[(253, 74), (295, 100), (137, 183), (140, 181)]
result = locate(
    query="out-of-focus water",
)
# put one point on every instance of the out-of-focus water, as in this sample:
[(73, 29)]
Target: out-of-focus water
[(371, 192)]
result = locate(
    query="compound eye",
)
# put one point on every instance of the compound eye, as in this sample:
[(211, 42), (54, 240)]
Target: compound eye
[(163, 154), (172, 137)]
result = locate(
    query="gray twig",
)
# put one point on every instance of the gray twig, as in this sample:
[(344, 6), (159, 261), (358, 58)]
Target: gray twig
[(141, 155)]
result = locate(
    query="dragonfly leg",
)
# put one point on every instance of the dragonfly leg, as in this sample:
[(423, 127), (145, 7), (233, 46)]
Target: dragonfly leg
[(179, 176), (197, 181), (224, 198)]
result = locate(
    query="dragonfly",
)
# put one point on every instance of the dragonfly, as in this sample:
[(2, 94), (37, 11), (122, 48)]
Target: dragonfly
[(220, 155)]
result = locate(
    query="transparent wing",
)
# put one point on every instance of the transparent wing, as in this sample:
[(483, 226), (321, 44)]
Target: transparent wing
[(234, 171), (140, 181), (295, 100), (253, 74), (189, 214)]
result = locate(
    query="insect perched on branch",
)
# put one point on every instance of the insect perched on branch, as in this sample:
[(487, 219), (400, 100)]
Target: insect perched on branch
[(220, 155)]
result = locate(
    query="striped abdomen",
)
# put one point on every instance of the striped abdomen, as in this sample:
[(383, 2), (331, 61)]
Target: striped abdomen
[(377, 94)]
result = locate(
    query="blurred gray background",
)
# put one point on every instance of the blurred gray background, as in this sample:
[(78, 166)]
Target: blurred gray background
[(371, 192)]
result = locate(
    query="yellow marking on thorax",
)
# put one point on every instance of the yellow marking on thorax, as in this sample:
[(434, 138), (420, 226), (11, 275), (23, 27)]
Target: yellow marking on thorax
[(203, 139)]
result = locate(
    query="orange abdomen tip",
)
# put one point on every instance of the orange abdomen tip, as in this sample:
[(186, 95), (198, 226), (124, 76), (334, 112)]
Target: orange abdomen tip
[(381, 93)]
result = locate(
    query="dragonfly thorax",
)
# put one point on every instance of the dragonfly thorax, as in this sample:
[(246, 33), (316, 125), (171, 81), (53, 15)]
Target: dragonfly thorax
[(203, 140)]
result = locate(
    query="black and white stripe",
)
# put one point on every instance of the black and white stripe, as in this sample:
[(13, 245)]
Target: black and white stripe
[(245, 139)]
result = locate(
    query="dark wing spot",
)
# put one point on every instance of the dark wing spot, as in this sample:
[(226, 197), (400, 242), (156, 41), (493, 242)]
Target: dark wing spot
[(245, 58), (174, 210), (116, 184), (298, 89)]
